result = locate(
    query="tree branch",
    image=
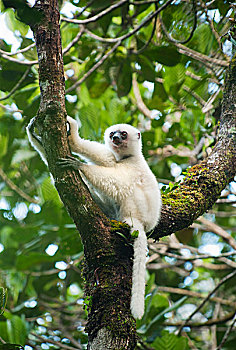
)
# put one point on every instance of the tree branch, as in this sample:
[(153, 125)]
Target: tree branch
[(16, 189), (140, 104), (98, 16), (25, 49), (225, 279), (197, 295), (93, 68), (12, 59), (204, 182), (17, 85), (219, 231), (132, 32)]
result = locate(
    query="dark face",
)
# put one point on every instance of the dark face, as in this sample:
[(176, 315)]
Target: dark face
[(119, 137)]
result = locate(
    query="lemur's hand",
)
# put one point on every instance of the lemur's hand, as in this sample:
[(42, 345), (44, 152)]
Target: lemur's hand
[(69, 162), (72, 126)]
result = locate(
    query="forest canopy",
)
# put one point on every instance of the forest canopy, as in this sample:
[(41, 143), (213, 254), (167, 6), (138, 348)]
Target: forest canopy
[(167, 68)]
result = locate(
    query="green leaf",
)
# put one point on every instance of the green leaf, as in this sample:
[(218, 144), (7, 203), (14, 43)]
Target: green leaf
[(147, 71), (24, 96), (7, 258), (16, 329), (202, 39), (24, 262), (50, 193), (3, 332), (12, 73), (30, 109), (13, 23), (22, 155), (24, 13), (124, 78), (151, 326), (166, 55), (98, 88), (170, 341), (160, 91), (3, 145)]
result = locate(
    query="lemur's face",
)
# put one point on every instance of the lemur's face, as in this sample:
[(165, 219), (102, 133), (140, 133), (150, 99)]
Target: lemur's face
[(119, 138), (123, 140)]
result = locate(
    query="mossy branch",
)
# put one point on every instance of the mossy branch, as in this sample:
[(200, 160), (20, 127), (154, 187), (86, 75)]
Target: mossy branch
[(204, 182)]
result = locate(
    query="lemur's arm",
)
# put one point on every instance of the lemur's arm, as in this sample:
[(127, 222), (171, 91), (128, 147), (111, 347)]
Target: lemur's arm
[(109, 180), (91, 150), (94, 151)]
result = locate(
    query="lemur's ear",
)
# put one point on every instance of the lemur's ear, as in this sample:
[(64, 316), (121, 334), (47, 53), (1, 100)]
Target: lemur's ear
[(138, 135)]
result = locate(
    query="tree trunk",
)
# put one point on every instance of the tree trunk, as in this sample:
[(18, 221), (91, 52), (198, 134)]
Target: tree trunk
[(108, 258)]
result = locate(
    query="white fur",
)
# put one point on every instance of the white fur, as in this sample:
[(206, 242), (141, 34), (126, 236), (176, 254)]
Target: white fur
[(125, 188), (33, 141)]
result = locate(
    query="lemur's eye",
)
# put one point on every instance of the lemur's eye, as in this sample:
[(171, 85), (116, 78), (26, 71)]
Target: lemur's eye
[(124, 135), (111, 134)]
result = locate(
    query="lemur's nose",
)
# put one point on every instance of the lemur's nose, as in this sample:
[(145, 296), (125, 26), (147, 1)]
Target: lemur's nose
[(116, 138)]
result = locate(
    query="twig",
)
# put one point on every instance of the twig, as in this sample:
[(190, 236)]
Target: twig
[(138, 3), (210, 3), (91, 70), (75, 40), (17, 85), (227, 333), (219, 231), (140, 104), (26, 63), (216, 35), (191, 33), (59, 344), (135, 30), (196, 257), (208, 323), (195, 95), (10, 109), (96, 17), (2, 341), (215, 315), (193, 294), (17, 52), (85, 8), (200, 57), (209, 104), (151, 36), (16, 189), (225, 279)]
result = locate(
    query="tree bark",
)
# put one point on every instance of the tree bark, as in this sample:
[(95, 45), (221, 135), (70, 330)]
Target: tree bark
[(108, 258)]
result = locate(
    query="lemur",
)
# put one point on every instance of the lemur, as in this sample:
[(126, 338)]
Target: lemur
[(122, 184)]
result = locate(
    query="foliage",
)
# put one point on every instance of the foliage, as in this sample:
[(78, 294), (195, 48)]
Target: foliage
[(40, 252)]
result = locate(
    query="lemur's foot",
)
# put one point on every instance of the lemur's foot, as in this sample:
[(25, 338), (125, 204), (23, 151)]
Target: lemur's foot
[(30, 126), (68, 128), (69, 162)]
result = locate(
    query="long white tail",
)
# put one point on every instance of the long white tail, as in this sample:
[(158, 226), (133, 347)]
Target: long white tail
[(139, 272)]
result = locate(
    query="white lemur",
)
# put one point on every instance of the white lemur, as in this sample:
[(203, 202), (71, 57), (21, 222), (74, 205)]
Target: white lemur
[(123, 185)]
